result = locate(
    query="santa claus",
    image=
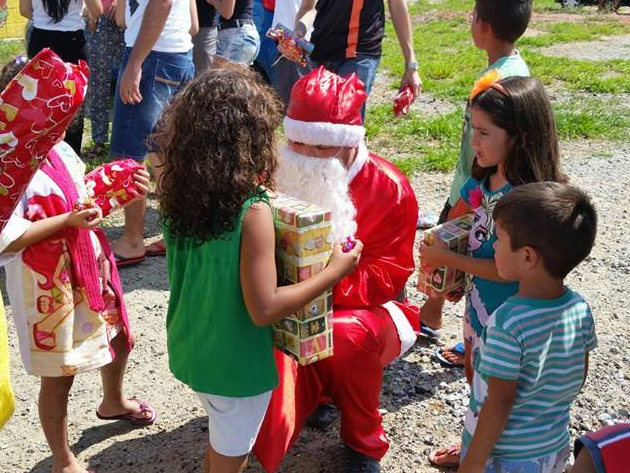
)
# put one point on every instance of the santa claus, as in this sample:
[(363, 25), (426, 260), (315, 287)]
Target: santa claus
[(325, 161)]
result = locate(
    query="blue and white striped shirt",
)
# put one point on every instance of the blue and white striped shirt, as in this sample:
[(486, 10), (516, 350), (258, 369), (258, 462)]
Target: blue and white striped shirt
[(541, 344)]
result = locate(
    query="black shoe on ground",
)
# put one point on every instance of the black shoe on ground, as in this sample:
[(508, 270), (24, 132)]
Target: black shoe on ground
[(324, 415), (356, 462)]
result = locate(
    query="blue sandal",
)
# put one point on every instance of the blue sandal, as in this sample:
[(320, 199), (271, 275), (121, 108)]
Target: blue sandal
[(458, 349)]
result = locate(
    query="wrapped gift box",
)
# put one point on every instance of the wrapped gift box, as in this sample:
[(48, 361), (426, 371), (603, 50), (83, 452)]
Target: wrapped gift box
[(454, 234), (111, 186), (303, 247), (35, 109)]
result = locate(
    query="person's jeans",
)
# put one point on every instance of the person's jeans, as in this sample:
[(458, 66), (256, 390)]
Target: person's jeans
[(205, 48), (363, 66), (239, 44), (288, 73), (163, 75)]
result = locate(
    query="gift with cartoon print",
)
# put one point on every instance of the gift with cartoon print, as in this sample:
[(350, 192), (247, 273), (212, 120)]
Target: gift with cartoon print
[(303, 247), (455, 234)]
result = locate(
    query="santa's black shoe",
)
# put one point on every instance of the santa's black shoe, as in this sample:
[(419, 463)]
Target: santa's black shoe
[(324, 415), (356, 462)]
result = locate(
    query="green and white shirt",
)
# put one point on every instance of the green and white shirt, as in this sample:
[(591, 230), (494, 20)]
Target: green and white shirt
[(542, 345)]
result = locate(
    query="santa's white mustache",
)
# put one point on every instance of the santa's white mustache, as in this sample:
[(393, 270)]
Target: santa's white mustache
[(321, 181)]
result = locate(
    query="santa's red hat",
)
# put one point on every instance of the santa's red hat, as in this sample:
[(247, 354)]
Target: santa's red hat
[(325, 110)]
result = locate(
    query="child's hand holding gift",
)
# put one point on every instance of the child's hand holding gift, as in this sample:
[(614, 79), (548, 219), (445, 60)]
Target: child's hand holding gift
[(344, 262), (117, 184), (84, 218), (434, 255), (141, 179)]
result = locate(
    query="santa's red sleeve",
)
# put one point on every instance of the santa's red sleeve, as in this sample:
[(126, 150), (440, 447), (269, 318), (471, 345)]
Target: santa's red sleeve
[(387, 213)]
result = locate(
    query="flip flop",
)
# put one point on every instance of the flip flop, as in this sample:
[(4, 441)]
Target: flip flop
[(426, 220), (458, 349), (446, 456), (122, 262), (130, 417), (157, 248), (428, 332)]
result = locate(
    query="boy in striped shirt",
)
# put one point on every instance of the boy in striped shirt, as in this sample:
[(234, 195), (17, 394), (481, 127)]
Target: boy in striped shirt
[(533, 355)]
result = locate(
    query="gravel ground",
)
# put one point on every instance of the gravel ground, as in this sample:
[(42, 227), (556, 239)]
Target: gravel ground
[(424, 402)]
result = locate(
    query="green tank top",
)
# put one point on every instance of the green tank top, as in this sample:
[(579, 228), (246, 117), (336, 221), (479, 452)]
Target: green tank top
[(213, 345)]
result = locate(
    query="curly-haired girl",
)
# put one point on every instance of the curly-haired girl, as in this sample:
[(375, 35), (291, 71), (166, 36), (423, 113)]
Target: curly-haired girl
[(219, 146)]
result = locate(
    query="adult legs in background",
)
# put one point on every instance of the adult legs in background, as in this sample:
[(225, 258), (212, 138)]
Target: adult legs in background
[(105, 47), (363, 66), (288, 73), (205, 48)]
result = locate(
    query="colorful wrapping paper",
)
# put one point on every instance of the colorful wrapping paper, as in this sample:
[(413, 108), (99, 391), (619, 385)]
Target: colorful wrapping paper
[(111, 186), (303, 247), (35, 110), (454, 234), (292, 47)]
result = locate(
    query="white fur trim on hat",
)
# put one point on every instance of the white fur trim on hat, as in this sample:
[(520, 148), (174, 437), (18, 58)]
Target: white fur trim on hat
[(323, 133)]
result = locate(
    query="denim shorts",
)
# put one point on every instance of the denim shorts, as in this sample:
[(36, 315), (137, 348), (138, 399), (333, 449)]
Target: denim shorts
[(240, 44), (163, 75), (554, 463)]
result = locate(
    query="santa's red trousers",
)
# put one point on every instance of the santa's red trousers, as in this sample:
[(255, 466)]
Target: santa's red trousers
[(365, 341)]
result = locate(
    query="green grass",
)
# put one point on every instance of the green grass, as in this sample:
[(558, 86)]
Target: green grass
[(9, 49), (567, 32), (592, 119), (449, 64)]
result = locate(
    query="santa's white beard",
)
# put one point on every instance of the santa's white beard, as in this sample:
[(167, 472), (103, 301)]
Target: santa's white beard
[(320, 181)]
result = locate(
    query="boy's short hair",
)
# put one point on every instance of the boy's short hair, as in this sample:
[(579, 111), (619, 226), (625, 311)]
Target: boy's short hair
[(508, 18), (557, 220)]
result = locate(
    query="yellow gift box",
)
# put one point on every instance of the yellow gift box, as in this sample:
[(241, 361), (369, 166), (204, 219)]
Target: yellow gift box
[(303, 247)]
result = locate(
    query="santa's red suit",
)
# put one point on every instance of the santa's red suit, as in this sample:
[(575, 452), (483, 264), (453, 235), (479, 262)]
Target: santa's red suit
[(369, 329)]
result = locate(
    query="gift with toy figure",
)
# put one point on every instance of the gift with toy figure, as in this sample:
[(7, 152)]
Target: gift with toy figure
[(112, 185), (303, 247), (454, 234)]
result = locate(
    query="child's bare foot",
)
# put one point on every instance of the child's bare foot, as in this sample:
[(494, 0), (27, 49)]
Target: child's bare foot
[(431, 312), (68, 466)]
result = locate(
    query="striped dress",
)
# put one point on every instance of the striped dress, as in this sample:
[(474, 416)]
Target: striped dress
[(540, 344)]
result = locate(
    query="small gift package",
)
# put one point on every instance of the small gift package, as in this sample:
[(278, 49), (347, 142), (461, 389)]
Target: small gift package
[(454, 234), (303, 247), (290, 45), (35, 110), (111, 186)]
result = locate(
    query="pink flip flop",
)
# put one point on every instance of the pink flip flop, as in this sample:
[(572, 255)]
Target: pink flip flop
[(157, 248), (130, 417)]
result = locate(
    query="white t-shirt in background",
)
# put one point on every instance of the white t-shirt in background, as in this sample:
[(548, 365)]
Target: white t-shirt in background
[(175, 37), (72, 21), (285, 13)]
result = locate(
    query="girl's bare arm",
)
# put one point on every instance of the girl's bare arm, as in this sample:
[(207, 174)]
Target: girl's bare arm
[(46, 227)]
